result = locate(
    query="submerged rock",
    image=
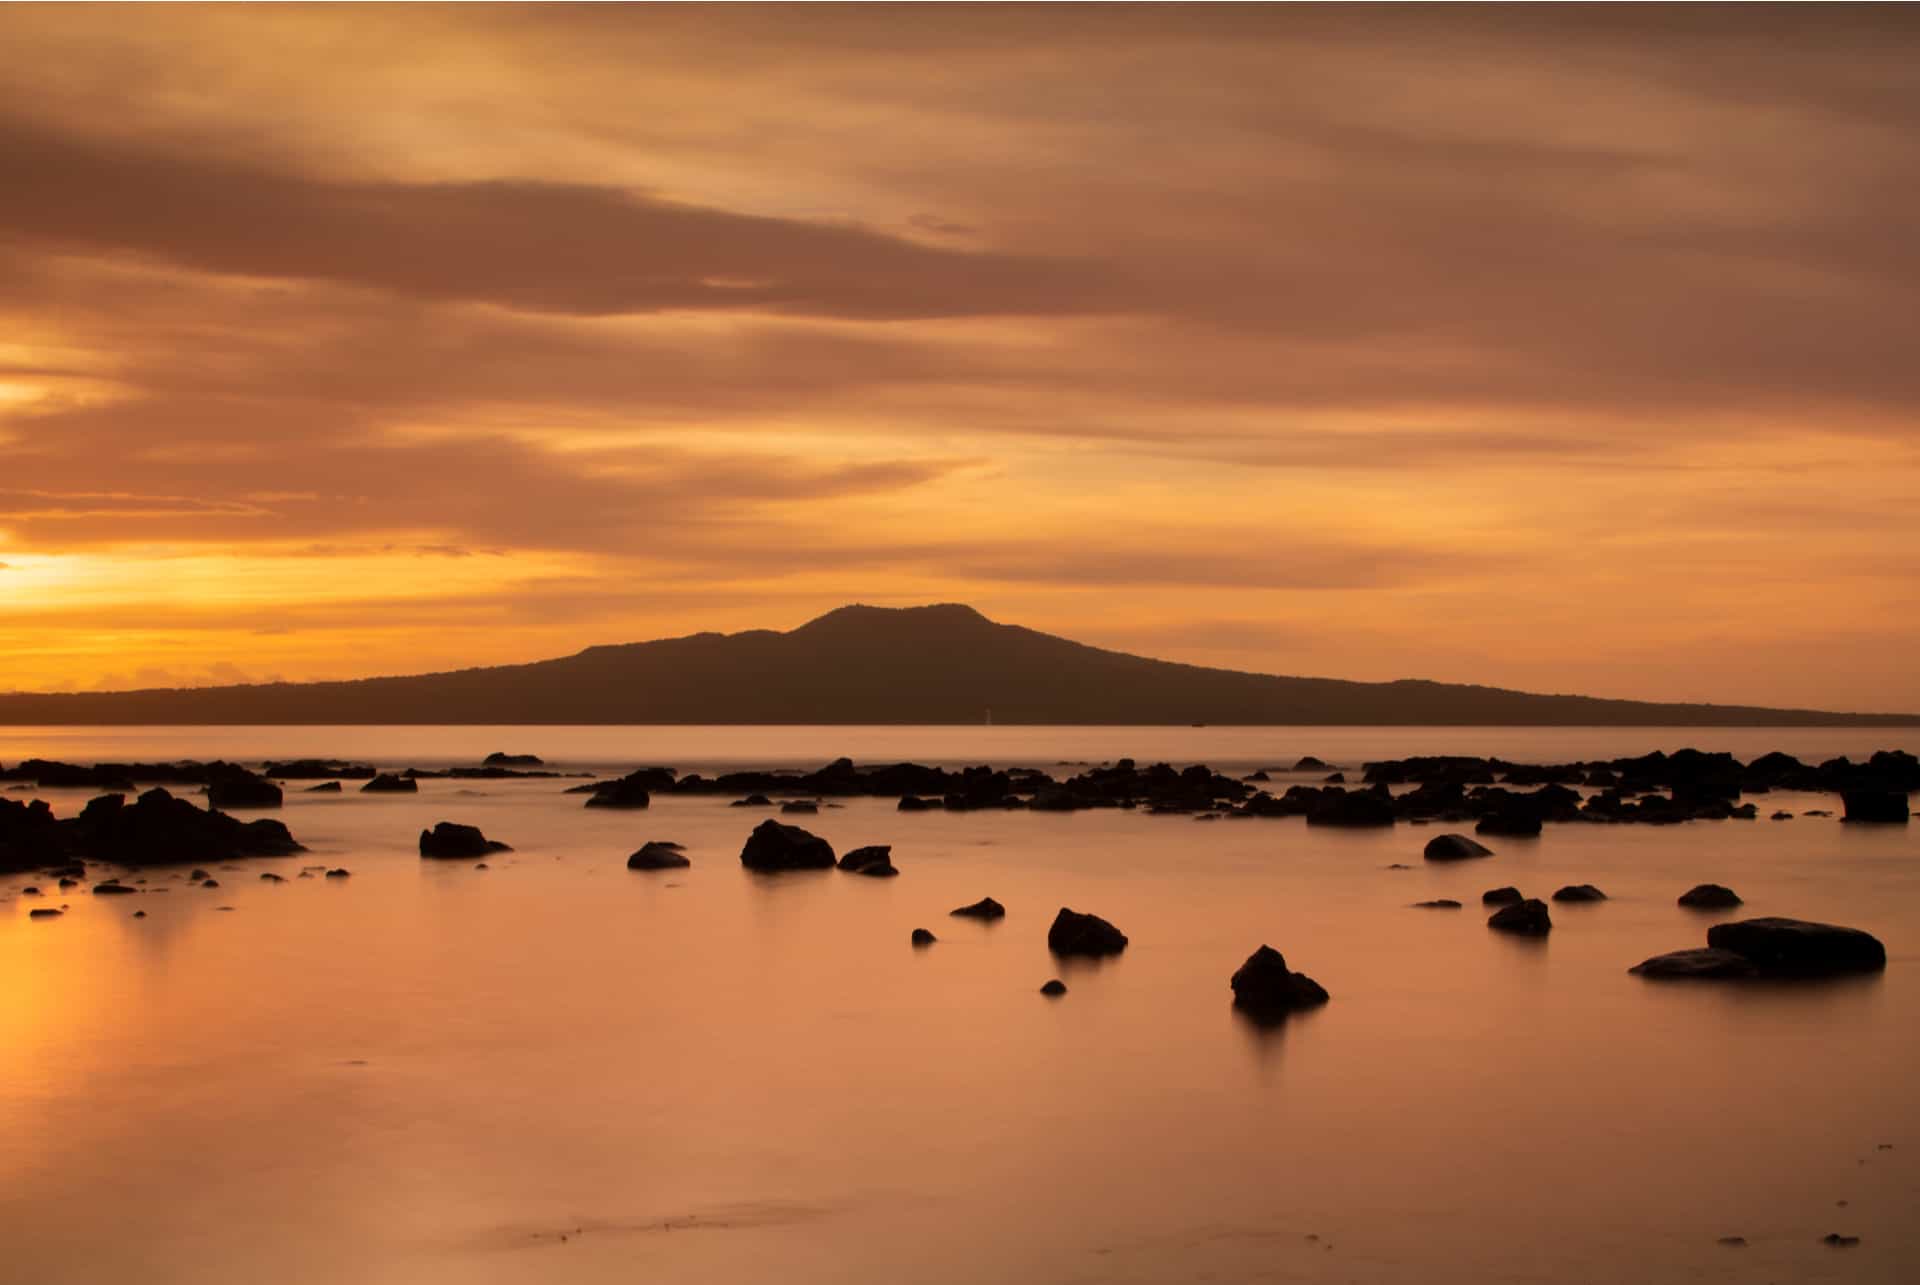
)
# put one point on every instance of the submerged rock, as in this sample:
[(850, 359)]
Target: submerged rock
[(1709, 896), (1798, 948), (1455, 847), (1579, 892), (658, 854), (1073, 933), (1266, 987), (1501, 897), (1706, 963), (1440, 903), (875, 860), (774, 846), (985, 908), (1528, 918), (450, 839)]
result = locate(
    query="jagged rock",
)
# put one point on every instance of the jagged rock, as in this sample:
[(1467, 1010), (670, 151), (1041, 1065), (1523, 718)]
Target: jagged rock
[(1879, 807), (1265, 987), (658, 854), (774, 846), (450, 839), (875, 860), (1706, 964), (1579, 892), (1798, 948), (985, 908), (921, 937), (1709, 896), (1501, 897), (1528, 918), (155, 829), (1455, 847), (387, 783), (1073, 933)]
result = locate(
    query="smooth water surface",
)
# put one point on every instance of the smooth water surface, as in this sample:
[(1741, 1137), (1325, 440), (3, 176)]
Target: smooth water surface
[(434, 1073)]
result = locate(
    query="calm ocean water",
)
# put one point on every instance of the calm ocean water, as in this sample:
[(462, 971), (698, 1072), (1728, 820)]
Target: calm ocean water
[(559, 1070)]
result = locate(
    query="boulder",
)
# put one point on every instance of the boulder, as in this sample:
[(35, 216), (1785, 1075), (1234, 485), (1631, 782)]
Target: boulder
[(1528, 918), (774, 845), (1054, 989), (242, 789), (658, 854), (875, 860), (387, 783), (985, 908), (921, 937), (449, 839), (1455, 847), (630, 791), (1265, 987), (1073, 933), (1797, 948), (1579, 892), (1708, 963), (1709, 896), (1879, 807), (1501, 897)]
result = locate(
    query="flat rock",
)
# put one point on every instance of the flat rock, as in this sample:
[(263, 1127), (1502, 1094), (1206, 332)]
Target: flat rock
[(658, 854), (1707, 963), (1528, 918), (774, 846), (1455, 847), (1439, 903), (1799, 948), (112, 888), (43, 912), (1073, 933)]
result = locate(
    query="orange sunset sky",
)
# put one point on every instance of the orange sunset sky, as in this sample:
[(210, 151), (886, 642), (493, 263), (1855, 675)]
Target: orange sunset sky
[(1554, 348)]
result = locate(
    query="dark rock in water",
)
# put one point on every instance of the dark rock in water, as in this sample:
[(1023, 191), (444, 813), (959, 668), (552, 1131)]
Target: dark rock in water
[(1073, 933), (629, 791), (1781, 816), (1309, 764), (1818, 812), (325, 787), (1256, 776), (1838, 1241), (1732, 1242), (1708, 963), (800, 807), (1441, 903), (1455, 847), (921, 937), (1579, 892), (658, 854), (985, 908), (269, 877), (1334, 778), (1797, 948), (875, 860), (1528, 918), (313, 769), (499, 759), (155, 829), (240, 788), (31, 891), (1879, 807), (198, 873), (69, 883), (1519, 825), (43, 912), (774, 845), (1054, 989), (1709, 896), (112, 888), (339, 872), (387, 783), (914, 803), (1352, 808), (209, 883), (1265, 987), (753, 801), (139, 914), (450, 839), (1501, 897)]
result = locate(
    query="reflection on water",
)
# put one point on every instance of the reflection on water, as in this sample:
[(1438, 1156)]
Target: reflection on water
[(557, 1069)]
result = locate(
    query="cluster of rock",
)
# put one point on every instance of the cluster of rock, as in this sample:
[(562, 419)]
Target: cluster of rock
[(1771, 948), (155, 829)]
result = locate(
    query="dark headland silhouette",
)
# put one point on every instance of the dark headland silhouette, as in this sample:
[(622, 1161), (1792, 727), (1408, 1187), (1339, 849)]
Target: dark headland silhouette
[(859, 664)]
